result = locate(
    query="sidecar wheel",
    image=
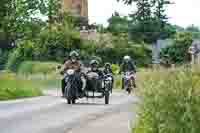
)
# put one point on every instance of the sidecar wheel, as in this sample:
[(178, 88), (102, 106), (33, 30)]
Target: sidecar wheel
[(68, 101), (73, 101)]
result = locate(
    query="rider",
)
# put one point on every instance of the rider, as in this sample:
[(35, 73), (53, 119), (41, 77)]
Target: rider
[(108, 70), (94, 68), (72, 63), (127, 66)]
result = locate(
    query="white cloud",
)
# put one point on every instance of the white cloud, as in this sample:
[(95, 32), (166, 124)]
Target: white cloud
[(183, 12), (101, 10)]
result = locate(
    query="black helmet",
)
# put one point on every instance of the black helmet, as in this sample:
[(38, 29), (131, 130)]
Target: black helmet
[(107, 65), (94, 62), (73, 53)]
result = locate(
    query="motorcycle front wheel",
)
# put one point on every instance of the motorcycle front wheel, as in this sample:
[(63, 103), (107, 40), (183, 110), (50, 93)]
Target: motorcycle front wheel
[(129, 90), (73, 101)]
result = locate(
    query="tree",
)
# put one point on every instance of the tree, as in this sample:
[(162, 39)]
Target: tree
[(7, 14), (16, 15), (192, 28), (118, 24), (178, 28), (178, 52), (149, 13)]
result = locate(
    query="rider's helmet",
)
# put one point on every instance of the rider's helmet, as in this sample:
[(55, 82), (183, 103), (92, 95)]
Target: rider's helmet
[(127, 58), (74, 56), (107, 65), (94, 64)]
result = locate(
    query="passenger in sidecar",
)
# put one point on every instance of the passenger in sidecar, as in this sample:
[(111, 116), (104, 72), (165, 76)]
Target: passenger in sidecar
[(94, 77)]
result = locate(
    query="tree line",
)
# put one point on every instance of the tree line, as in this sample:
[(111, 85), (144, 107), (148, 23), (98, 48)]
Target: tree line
[(42, 32)]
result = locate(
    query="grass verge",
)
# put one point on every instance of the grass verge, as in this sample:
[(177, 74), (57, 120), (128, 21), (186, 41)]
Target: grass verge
[(170, 101), (12, 87)]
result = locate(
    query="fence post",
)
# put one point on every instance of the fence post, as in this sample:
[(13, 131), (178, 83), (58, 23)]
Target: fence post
[(192, 59)]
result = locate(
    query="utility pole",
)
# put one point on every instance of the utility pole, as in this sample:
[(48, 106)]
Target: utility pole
[(191, 51)]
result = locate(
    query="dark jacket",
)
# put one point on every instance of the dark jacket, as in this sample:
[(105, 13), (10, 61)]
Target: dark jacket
[(107, 71), (130, 66)]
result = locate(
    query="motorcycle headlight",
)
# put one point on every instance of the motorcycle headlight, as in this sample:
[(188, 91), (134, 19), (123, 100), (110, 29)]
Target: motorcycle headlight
[(70, 72), (109, 79)]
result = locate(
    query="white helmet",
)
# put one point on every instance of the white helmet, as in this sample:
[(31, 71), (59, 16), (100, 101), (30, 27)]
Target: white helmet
[(127, 58)]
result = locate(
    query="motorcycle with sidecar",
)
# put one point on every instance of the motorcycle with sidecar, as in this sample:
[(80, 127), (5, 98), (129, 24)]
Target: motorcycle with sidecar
[(96, 86)]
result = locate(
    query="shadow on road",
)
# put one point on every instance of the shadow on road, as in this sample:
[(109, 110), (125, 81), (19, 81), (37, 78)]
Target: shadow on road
[(94, 104)]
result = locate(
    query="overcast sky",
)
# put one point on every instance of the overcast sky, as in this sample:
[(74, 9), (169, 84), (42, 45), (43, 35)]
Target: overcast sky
[(183, 12)]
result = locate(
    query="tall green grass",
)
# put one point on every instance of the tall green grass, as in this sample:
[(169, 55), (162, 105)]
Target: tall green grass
[(12, 87), (170, 101), (37, 67), (44, 74), (51, 81)]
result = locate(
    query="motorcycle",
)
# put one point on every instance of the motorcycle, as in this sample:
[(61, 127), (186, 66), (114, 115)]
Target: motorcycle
[(108, 81), (97, 85), (107, 85), (72, 86), (129, 81)]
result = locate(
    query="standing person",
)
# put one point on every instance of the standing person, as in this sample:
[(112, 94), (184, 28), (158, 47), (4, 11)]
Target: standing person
[(128, 65)]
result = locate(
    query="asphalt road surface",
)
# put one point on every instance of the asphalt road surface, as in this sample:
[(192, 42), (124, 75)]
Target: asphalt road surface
[(51, 114)]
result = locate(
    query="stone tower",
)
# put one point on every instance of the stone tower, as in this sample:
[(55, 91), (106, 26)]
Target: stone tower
[(76, 7)]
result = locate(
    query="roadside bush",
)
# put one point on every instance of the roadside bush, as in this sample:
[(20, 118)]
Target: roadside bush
[(4, 53), (37, 67), (51, 45), (170, 102), (56, 44), (14, 60), (178, 52), (12, 87), (115, 68), (25, 51)]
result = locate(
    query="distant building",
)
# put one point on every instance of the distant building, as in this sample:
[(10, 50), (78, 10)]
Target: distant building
[(76, 7), (92, 34), (157, 47), (88, 34), (195, 51)]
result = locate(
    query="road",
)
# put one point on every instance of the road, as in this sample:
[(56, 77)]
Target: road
[(51, 114)]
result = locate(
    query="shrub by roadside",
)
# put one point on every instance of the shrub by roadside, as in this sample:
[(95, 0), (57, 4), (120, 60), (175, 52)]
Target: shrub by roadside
[(115, 68), (37, 67), (12, 87), (170, 102)]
